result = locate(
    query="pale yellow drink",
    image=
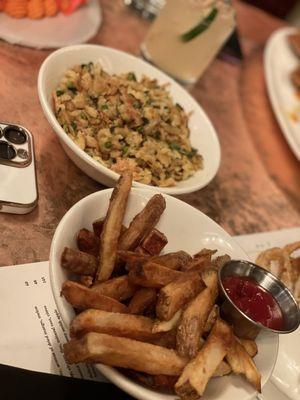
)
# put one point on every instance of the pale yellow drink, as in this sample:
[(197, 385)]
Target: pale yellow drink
[(186, 60)]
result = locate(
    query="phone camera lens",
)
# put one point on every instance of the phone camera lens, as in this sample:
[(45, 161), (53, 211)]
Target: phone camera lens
[(15, 135), (7, 151)]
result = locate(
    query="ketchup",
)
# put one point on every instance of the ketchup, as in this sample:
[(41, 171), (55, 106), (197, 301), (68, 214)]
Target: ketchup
[(254, 301)]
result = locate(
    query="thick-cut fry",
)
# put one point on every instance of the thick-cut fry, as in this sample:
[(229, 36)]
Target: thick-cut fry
[(118, 288), (87, 242), (175, 260), (78, 262), (165, 326), (124, 353), (241, 363), (223, 369), (142, 223), (133, 257), (210, 278), (135, 327), (83, 298), (98, 226), (86, 280), (196, 374), (112, 227), (249, 345), (176, 294), (156, 382), (154, 242), (211, 319), (219, 261), (200, 260), (152, 275), (207, 253), (196, 264), (191, 326), (143, 300)]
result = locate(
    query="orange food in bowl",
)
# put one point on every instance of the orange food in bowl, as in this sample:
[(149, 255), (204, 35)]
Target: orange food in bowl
[(16, 8)]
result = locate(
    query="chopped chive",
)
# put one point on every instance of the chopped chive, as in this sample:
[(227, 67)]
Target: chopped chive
[(131, 76), (104, 107), (137, 104), (74, 126), (59, 92), (72, 88), (125, 150), (108, 145)]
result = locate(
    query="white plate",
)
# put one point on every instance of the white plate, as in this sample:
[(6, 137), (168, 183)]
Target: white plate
[(279, 62), (186, 228), (203, 135), (53, 32), (286, 374)]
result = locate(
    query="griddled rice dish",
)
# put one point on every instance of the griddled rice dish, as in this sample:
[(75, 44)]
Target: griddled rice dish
[(127, 124)]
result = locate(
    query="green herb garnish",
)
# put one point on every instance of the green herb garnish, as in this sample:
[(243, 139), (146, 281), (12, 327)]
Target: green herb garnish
[(137, 104), (72, 88), (104, 107), (125, 150), (74, 126), (59, 92), (108, 145), (131, 76), (201, 27)]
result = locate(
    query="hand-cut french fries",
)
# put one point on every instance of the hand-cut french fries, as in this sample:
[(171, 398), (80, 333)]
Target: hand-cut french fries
[(83, 298), (169, 334), (87, 242), (241, 363), (154, 242), (195, 376), (142, 223), (176, 294), (78, 262), (143, 300), (166, 326), (124, 353), (191, 326), (126, 325), (119, 288), (112, 227), (152, 275)]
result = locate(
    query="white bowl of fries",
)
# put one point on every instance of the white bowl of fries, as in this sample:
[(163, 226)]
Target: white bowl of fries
[(140, 316), (203, 136)]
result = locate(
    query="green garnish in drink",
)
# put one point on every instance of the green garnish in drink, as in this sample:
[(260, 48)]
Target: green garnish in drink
[(201, 27)]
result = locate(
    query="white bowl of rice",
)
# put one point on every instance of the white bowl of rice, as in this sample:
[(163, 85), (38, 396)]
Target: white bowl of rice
[(113, 111)]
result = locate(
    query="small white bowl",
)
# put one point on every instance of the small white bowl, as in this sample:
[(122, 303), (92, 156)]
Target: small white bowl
[(203, 135), (186, 229)]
